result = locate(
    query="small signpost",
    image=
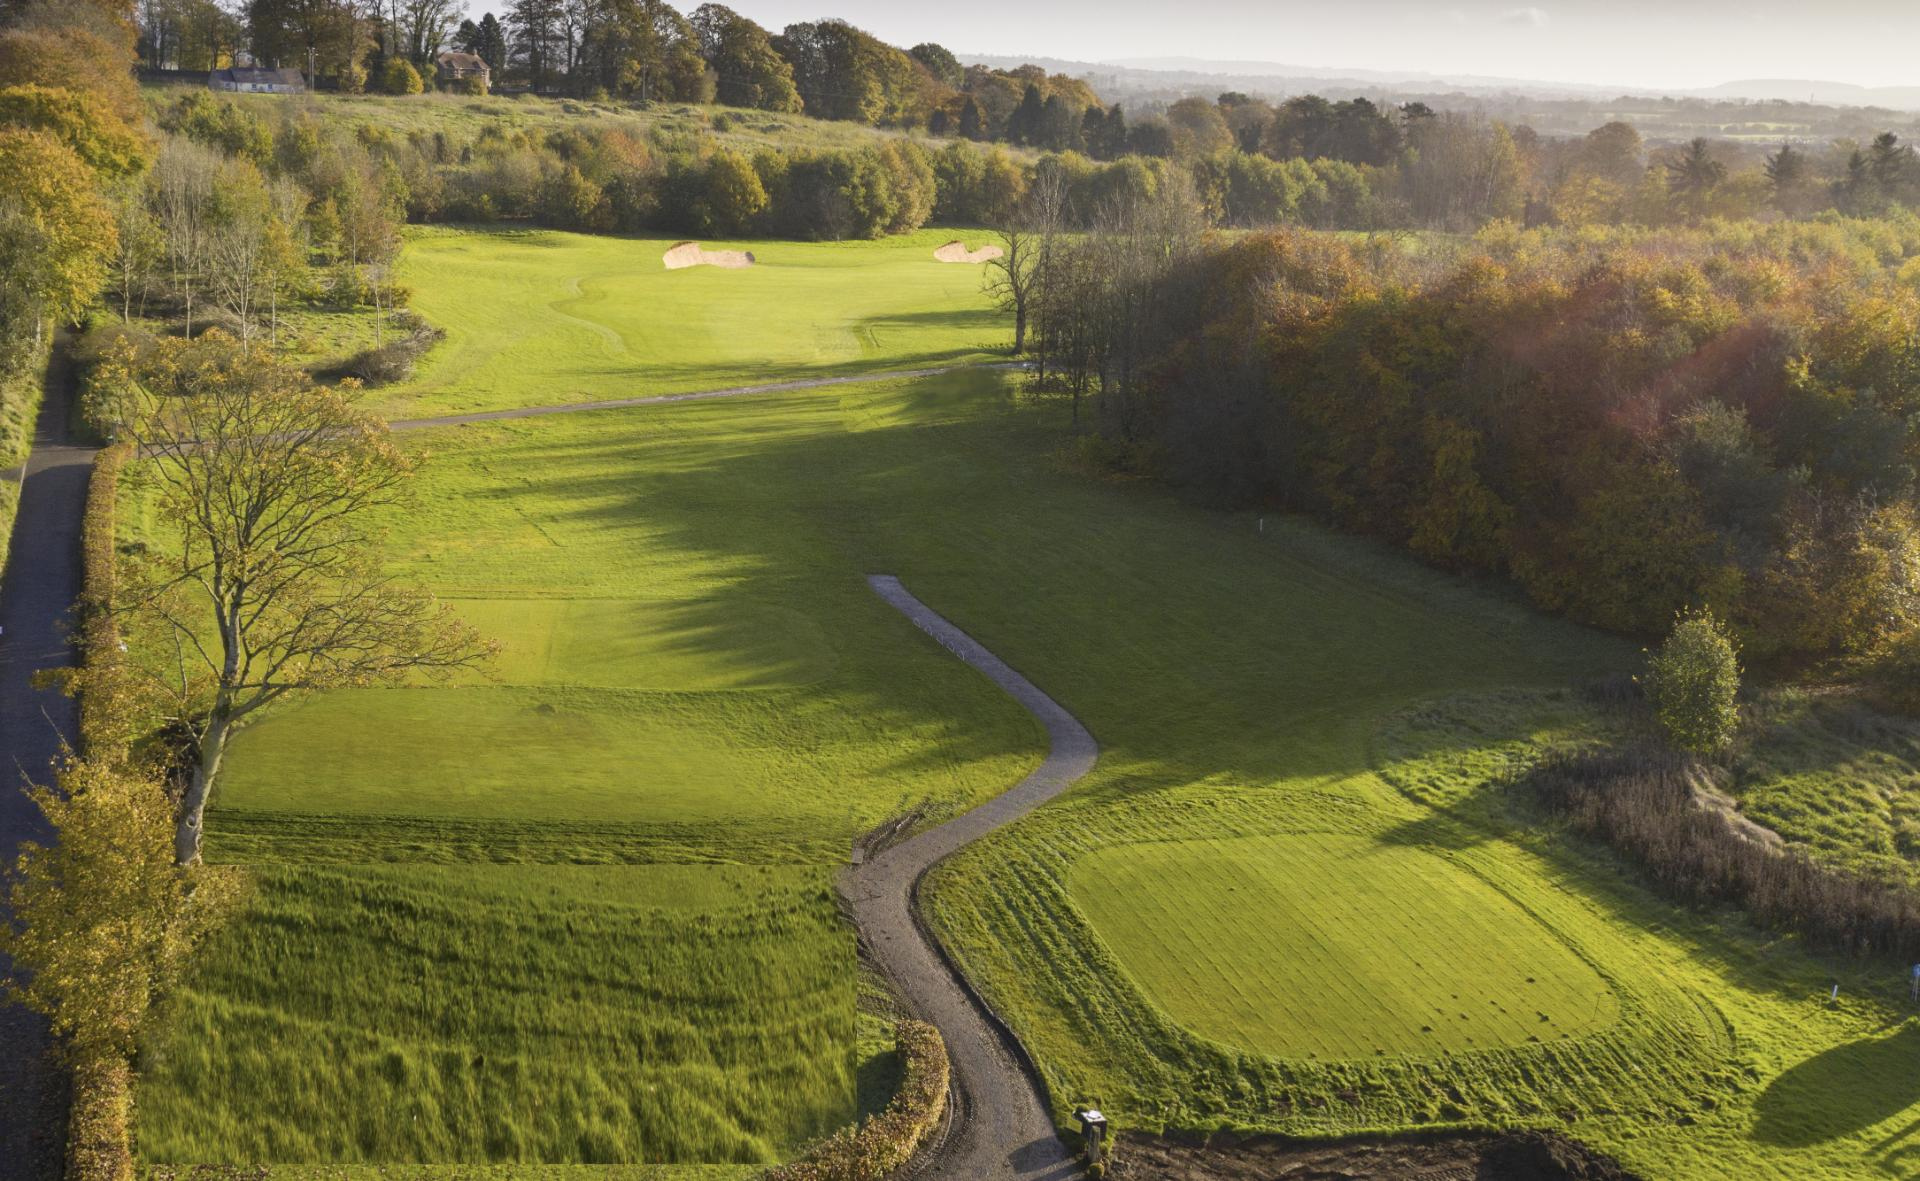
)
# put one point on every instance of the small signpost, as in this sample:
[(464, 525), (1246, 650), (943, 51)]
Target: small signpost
[(1093, 1129)]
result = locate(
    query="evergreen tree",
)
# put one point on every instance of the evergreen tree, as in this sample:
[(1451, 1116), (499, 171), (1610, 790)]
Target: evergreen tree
[(1113, 136), (491, 44), (1026, 123), (970, 122), (1092, 126), (1059, 129)]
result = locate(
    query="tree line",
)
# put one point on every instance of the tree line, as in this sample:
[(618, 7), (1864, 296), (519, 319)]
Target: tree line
[(1625, 422)]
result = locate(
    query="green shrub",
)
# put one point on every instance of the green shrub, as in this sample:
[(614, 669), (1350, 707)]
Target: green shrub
[(399, 77), (1693, 683)]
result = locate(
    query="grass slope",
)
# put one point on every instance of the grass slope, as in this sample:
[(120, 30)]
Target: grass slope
[(536, 317), (461, 117)]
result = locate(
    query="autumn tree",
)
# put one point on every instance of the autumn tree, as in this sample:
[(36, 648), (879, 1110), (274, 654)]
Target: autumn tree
[(399, 77), (1199, 129), (249, 246), (81, 120), (268, 582), (57, 233), (103, 917), (846, 73), (940, 63), (747, 70)]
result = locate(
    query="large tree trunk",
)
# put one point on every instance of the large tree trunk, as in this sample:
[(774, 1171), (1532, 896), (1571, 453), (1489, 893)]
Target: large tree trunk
[(1019, 327), (193, 808)]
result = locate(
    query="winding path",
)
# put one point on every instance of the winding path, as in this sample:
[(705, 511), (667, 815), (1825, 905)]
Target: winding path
[(1002, 1127), (40, 584)]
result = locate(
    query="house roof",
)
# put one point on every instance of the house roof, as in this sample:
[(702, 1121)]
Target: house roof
[(455, 60), (260, 76)]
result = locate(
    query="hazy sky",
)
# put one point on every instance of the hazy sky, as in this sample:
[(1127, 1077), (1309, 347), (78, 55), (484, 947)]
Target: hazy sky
[(1651, 43)]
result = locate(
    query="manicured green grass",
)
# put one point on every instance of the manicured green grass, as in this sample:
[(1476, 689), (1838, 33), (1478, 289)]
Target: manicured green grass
[(537, 317), (1314, 945)]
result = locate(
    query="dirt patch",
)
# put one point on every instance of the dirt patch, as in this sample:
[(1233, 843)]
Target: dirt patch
[(957, 251), (1514, 1156), (692, 254)]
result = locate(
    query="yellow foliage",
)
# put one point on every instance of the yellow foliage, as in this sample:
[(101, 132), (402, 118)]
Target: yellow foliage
[(57, 232), (105, 918)]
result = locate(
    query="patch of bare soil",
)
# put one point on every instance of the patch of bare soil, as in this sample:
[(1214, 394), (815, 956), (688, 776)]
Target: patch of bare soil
[(1510, 1156), (957, 251), (692, 254)]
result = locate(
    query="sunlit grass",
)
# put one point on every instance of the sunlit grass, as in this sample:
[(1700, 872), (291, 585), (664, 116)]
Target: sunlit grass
[(537, 317)]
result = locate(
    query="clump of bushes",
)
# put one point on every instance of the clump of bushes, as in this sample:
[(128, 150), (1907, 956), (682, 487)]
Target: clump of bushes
[(391, 362), (888, 1140), (1641, 802)]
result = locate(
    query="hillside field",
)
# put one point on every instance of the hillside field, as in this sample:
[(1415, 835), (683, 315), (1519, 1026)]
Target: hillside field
[(595, 888)]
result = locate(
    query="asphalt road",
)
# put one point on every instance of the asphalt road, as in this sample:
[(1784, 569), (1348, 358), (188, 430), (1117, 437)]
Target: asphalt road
[(41, 582)]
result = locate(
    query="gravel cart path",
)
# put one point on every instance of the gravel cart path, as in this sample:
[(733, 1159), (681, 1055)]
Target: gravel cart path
[(1001, 1128)]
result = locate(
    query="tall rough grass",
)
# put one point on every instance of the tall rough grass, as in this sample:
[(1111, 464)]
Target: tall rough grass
[(1640, 801)]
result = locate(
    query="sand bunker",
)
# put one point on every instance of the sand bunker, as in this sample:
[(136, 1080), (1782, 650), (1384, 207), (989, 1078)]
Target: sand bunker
[(690, 254), (958, 252)]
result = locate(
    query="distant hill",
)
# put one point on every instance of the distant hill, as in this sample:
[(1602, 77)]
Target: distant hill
[(1898, 98), (1159, 76)]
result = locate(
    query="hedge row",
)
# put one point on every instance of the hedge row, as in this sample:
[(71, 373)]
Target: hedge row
[(101, 717), (98, 1144), (99, 1123), (888, 1140)]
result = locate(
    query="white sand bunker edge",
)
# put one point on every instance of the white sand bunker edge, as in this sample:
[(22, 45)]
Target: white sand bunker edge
[(691, 254), (956, 251)]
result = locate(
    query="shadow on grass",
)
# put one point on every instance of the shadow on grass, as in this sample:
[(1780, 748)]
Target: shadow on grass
[(1841, 1091)]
